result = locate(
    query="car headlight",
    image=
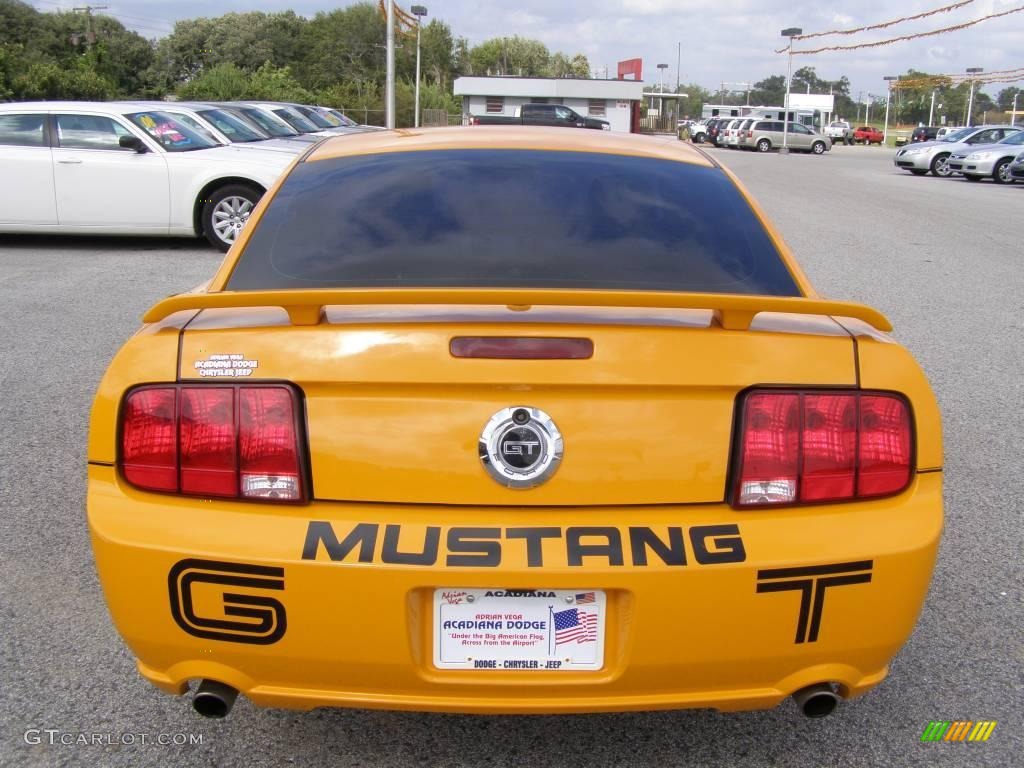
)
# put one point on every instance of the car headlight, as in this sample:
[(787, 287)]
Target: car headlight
[(913, 151), (981, 155)]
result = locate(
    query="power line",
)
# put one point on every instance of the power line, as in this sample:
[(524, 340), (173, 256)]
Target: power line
[(901, 38), (882, 25)]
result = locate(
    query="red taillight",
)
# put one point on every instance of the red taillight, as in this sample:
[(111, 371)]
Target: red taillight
[(750, 134), (816, 446), (149, 447), (268, 444), (884, 445), (224, 441), (206, 435)]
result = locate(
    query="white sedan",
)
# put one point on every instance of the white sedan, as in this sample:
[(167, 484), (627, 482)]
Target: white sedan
[(122, 168)]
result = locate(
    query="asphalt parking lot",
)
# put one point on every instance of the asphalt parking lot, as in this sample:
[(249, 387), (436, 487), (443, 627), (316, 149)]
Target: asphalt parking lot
[(941, 257)]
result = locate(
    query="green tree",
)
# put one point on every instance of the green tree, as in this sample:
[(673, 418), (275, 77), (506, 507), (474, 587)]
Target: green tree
[(1005, 98), (223, 82), (438, 54), (50, 81), (344, 45), (770, 92), (510, 56), (560, 65), (270, 83), (696, 97)]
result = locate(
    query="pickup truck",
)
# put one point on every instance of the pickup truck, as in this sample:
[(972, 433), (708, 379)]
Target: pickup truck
[(868, 135), (543, 114), (839, 131)]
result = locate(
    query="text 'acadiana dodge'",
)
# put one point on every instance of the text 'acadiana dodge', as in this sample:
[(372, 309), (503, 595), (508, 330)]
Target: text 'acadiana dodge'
[(483, 547)]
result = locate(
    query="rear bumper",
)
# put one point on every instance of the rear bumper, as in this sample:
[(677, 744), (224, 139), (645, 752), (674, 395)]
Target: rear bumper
[(707, 633)]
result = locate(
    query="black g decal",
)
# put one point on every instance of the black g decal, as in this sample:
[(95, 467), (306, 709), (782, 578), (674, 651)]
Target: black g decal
[(266, 616)]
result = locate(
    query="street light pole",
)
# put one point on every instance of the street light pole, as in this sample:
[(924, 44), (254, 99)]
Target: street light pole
[(791, 32), (970, 99), (661, 89), (389, 82), (931, 111), (419, 11), (1013, 114), (679, 62), (888, 93)]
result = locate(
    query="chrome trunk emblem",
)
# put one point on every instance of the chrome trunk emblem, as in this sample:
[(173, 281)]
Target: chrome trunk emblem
[(521, 447)]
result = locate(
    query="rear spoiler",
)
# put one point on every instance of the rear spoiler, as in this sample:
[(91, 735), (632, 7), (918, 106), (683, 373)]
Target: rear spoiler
[(305, 307)]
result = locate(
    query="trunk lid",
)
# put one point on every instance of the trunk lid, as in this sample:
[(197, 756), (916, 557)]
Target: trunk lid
[(392, 416)]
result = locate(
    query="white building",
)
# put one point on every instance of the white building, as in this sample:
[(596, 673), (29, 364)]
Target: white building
[(617, 101)]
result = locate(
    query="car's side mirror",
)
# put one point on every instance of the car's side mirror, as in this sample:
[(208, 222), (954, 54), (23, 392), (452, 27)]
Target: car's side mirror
[(133, 143)]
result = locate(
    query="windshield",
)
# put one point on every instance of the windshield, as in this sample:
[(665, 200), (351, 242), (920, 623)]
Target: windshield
[(171, 133), (269, 124), (236, 129), (197, 126), (314, 117), (344, 119), (501, 218), (1014, 138), (295, 120), (960, 135)]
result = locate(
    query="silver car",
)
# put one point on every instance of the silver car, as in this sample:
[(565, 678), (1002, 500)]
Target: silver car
[(933, 156), (1017, 168), (984, 160)]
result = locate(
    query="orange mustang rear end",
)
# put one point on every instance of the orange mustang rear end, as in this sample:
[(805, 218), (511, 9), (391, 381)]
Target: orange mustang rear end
[(507, 421)]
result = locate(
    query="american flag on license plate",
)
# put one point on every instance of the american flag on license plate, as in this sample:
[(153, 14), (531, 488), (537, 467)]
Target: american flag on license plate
[(575, 626), (583, 598)]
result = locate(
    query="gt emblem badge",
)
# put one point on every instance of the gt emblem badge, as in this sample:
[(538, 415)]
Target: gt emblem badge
[(521, 447)]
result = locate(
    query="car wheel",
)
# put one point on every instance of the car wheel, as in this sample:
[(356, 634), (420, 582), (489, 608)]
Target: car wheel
[(1001, 173), (698, 139), (226, 212), (918, 172), (940, 166), (818, 147), (972, 178), (764, 145)]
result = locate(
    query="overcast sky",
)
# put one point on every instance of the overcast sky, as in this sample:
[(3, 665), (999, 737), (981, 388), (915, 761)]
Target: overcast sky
[(730, 40)]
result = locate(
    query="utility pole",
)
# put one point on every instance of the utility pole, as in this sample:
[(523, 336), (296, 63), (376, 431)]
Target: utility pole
[(1013, 114), (888, 94), (389, 83), (419, 11), (679, 62), (971, 71), (931, 110), (90, 36), (791, 32)]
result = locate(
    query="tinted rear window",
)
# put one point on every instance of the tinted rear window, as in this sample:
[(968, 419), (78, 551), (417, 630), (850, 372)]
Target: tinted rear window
[(510, 219)]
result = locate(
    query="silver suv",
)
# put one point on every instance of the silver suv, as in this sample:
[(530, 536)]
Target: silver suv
[(766, 134), (934, 155)]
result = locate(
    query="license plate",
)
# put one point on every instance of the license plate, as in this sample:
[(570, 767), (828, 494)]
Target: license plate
[(504, 629)]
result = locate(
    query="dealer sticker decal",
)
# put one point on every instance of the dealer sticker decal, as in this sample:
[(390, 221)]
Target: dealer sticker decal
[(505, 629), (230, 366)]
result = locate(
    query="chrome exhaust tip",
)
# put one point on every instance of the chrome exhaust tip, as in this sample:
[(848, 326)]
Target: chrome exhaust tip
[(213, 699), (818, 700)]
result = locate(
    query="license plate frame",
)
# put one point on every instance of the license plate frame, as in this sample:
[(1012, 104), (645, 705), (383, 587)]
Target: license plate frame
[(500, 629)]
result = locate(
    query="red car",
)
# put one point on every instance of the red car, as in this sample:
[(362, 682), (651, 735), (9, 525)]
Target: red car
[(868, 135)]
